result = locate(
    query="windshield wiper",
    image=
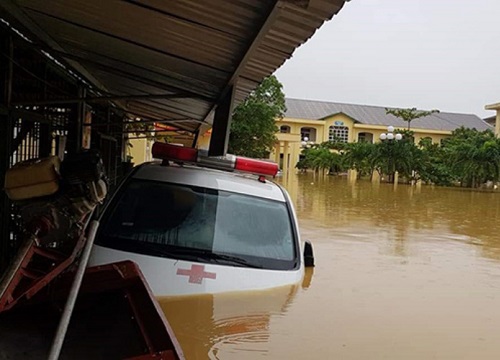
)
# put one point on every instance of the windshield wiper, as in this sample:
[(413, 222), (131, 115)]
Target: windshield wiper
[(227, 259), (215, 257), (177, 252)]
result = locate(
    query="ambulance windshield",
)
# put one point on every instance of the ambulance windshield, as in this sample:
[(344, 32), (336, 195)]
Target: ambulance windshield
[(186, 222)]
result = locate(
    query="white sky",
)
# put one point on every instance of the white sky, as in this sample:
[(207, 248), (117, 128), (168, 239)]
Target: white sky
[(429, 54)]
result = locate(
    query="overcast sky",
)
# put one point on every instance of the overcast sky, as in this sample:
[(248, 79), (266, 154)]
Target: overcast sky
[(429, 54)]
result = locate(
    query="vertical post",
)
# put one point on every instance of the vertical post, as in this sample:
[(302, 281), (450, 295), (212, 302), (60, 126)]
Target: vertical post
[(195, 139), (352, 175), (222, 125), (375, 176), (285, 158), (277, 152), (45, 135), (6, 129), (497, 124), (76, 124), (45, 140)]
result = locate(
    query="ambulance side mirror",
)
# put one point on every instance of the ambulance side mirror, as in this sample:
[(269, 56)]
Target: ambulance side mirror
[(308, 254)]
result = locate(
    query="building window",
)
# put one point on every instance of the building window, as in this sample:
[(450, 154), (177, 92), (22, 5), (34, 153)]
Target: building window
[(365, 137), (339, 133), (285, 129), (309, 133)]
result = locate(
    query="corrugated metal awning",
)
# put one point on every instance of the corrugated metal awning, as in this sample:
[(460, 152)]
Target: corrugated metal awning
[(171, 60)]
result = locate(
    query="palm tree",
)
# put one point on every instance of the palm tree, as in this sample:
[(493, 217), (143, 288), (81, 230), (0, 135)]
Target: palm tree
[(357, 156)]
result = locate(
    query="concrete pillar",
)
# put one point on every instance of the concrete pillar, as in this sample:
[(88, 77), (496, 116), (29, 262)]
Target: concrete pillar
[(294, 156), (285, 157), (352, 175), (419, 184), (277, 152)]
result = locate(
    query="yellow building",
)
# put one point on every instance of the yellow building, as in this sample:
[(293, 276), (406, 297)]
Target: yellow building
[(139, 150), (494, 120), (313, 122)]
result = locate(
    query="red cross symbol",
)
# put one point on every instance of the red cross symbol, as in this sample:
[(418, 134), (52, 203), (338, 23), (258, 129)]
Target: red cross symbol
[(196, 274)]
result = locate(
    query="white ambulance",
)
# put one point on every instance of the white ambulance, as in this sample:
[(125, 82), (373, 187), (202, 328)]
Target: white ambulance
[(193, 228)]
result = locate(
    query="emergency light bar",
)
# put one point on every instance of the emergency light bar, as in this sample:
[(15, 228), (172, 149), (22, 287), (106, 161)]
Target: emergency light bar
[(229, 162), (166, 151)]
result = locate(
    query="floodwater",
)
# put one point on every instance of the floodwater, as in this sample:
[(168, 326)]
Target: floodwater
[(401, 273)]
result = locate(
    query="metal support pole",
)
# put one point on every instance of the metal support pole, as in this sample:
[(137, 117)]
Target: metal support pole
[(222, 125), (195, 139), (76, 124), (57, 344)]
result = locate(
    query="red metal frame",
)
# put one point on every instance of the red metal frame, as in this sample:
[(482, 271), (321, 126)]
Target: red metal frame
[(27, 281)]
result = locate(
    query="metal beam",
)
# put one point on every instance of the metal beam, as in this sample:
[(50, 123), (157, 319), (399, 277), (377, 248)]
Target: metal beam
[(124, 39), (153, 114), (28, 115), (14, 10), (102, 98), (128, 75), (143, 131), (141, 122), (119, 67), (161, 108)]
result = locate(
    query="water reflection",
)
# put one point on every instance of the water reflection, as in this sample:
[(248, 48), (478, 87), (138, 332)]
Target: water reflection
[(225, 326)]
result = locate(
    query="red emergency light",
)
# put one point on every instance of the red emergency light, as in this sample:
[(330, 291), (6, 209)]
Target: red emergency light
[(166, 151), (258, 167)]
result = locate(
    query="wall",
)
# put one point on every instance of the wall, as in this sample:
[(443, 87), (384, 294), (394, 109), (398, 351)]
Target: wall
[(140, 150)]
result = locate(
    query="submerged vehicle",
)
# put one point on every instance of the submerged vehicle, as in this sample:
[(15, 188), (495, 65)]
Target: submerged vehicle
[(197, 224)]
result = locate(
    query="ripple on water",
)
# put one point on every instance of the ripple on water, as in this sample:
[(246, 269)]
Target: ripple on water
[(245, 336)]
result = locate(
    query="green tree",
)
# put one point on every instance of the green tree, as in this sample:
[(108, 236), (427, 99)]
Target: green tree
[(253, 127), (432, 166), (325, 156), (409, 115), (473, 156), (357, 156), (320, 158)]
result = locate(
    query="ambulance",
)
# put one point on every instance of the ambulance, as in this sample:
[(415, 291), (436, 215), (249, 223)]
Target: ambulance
[(203, 225)]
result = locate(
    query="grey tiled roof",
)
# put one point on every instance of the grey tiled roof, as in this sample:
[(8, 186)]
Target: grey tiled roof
[(375, 115)]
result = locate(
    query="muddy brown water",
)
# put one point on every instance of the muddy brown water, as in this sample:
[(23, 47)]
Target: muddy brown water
[(401, 273)]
